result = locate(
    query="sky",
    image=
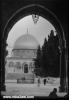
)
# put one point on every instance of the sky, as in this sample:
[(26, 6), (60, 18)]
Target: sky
[(39, 31)]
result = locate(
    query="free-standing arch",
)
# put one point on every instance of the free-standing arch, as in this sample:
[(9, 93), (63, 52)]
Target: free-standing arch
[(50, 16)]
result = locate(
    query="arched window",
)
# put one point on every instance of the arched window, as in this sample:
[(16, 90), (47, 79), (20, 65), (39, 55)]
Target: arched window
[(26, 68), (11, 64), (18, 65), (31, 66)]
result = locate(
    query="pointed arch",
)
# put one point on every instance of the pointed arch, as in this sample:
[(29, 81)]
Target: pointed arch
[(51, 17)]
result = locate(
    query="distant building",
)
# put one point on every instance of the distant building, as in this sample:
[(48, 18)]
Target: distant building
[(21, 64)]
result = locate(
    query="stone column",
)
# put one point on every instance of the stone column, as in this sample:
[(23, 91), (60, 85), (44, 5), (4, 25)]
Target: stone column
[(63, 74), (3, 55)]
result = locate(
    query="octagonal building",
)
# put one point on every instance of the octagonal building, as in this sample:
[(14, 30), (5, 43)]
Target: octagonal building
[(20, 66)]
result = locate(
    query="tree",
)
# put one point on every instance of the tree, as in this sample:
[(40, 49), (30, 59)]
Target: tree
[(38, 62), (53, 53), (45, 58)]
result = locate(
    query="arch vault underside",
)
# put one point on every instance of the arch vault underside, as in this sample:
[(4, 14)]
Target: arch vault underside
[(42, 11)]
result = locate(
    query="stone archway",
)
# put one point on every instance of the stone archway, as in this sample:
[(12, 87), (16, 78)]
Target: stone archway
[(47, 14)]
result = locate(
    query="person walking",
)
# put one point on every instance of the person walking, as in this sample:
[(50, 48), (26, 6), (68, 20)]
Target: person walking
[(44, 81), (38, 82)]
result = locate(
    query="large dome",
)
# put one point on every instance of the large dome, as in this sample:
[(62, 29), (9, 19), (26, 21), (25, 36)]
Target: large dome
[(26, 41)]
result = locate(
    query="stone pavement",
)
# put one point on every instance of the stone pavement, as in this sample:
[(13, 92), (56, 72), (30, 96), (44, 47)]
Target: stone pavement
[(30, 90)]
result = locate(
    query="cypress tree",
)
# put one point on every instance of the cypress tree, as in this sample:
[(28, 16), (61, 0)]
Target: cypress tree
[(53, 43), (45, 58), (38, 62)]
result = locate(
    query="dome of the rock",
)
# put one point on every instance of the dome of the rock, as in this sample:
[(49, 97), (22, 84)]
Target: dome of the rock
[(26, 41)]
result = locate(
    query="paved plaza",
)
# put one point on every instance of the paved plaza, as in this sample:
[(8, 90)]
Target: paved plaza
[(13, 89)]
